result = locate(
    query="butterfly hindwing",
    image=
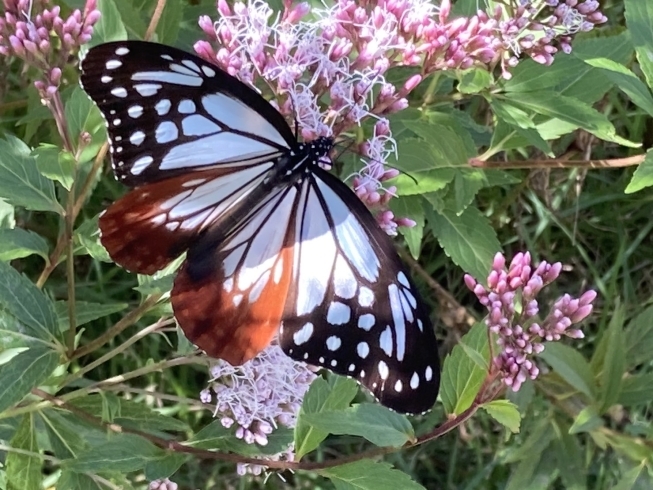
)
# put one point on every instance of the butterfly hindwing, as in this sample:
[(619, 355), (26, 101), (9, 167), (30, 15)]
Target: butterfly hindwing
[(169, 112), (351, 307)]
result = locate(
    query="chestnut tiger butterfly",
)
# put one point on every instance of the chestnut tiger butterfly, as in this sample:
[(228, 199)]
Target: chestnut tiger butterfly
[(275, 244)]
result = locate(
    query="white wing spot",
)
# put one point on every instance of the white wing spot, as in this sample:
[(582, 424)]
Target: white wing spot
[(184, 71), (119, 92), (237, 299), (122, 51), (258, 287), (228, 285), (363, 350), (414, 381), (411, 299), (401, 277), (116, 122), (278, 270), (106, 79), (338, 313), (166, 57), (366, 321), (113, 64), (172, 225), (186, 106), (345, 283), (428, 374), (351, 367), (147, 89), (365, 297), (420, 325), (385, 341), (306, 355), (141, 164), (137, 138), (399, 386), (159, 219), (321, 360), (384, 372), (135, 111), (333, 343), (334, 363), (209, 72), (119, 149), (303, 334), (191, 64), (166, 132), (398, 319), (162, 107)]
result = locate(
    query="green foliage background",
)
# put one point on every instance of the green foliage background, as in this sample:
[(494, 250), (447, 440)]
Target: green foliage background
[(569, 181)]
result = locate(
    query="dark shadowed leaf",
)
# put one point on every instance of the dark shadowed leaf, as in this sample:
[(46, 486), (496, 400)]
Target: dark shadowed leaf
[(369, 475)]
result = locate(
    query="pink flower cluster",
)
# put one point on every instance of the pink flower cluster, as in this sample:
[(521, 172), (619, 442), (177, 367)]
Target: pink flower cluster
[(328, 72), (519, 335), (263, 393), (45, 40)]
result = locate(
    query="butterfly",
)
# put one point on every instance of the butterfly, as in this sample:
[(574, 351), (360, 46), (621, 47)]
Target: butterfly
[(275, 245)]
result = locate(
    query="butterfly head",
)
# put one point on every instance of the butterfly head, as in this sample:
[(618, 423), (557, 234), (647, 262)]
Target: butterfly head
[(317, 151)]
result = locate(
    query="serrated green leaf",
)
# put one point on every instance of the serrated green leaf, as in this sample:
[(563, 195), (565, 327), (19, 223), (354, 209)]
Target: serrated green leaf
[(86, 312), (81, 113), (7, 215), (636, 390), (215, 436), (522, 123), (369, 475), (23, 469), (586, 421), (424, 173), (23, 300), (16, 243), (132, 17), (410, 207), (131, 414), (570, 110), (468, 239), (639, 19), (63, 433), (78, 481), (21, 183), (466, 184), (123, 452), (23, 372), (375, 423), (626, 81), (165, 466), (110, 26), (504, 412), (643, 176), (88, 237), (461, 376), (639, 338), (630, 478), (571, 366), (55, 164), (474, 81), (322, 395), (614, 364)]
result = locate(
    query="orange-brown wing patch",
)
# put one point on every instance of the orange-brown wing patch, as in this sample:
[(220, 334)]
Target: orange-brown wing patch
[(155, 223), (226, 321)]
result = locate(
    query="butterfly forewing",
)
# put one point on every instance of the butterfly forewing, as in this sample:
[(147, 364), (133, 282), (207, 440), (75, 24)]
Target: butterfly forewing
[(169, 112), (351, 308)]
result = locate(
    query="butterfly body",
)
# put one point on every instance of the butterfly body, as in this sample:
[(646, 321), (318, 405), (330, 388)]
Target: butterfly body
[(275, 245)]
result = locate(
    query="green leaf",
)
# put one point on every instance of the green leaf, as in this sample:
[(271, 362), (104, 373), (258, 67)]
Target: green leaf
[(7, 215), (88, 236), (55, 164), (16, 243), (571, 366), (123, 452), (569, 456), (462, 377), (522, 122), (21, 183), (23, 372), (410, 207), (630, 478), (168, 27), (636, 390), (626, 81), (504, 412), (639, 19), (614, 365), (466, 184), (586, 421), (570, 110), (165, 466), (110, 26), (374, 422), (86, 312), (423, 172), (322, 395), (81, 113), (215, 436), (469, 239), (369, 475), (24, 470), (643, 176), (22, 299), (78, 481), (474, 81), (639, 338), (128, 413), (63, 433)]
